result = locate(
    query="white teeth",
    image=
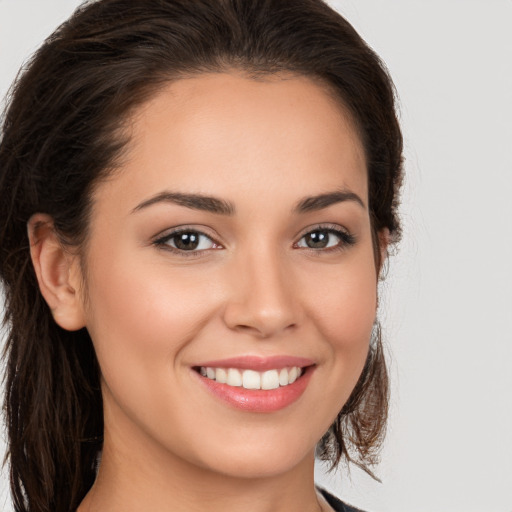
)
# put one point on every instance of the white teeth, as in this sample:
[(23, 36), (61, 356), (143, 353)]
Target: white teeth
[(250, 379), (234, 377), (221, 375), (270, 380)]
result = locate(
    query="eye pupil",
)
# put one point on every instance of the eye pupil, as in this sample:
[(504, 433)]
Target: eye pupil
[(317, 239), (187, 240)]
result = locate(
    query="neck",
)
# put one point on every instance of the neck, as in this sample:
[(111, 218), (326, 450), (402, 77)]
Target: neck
[(144, 478)]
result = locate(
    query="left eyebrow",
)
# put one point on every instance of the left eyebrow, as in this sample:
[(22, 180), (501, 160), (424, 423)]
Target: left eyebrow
[(321, 201)]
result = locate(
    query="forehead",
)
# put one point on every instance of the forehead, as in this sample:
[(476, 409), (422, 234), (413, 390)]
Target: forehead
[(232, 136)]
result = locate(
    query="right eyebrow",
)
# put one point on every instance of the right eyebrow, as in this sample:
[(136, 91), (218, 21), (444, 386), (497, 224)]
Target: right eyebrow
[(193, 201)]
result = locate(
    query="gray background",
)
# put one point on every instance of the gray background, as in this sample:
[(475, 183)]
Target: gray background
[(446, 305)]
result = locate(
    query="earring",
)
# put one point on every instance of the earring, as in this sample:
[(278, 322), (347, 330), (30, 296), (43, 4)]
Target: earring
[(375, 336)]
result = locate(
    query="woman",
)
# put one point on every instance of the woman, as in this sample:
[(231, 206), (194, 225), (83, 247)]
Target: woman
[(197, 199)]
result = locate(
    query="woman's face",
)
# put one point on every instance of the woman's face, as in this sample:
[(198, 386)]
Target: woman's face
[(236, 237)]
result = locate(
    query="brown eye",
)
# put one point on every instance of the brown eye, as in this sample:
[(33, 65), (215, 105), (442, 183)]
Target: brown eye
[(326, 239), (317, 239), (187, 241)]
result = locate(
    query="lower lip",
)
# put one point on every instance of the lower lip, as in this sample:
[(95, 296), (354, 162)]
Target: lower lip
[(258, 400)]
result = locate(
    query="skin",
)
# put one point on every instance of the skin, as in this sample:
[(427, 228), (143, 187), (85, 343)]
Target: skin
[(256, 289)]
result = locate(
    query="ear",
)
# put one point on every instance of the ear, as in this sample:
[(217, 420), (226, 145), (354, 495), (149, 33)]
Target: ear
[(57, 271)]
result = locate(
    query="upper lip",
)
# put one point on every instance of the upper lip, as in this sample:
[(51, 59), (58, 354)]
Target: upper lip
[(259, 363)]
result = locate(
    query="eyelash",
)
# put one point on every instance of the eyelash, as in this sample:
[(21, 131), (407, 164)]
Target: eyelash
[(162, 242), (346, 240)]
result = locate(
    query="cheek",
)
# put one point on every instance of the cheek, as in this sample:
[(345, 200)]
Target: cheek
[(142, 320), (347, 315), (345, 302), (344, 312), (142, 316)]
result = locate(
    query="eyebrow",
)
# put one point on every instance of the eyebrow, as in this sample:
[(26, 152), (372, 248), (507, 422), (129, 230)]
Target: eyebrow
[(321, 201), (193, 201), (223, 207)]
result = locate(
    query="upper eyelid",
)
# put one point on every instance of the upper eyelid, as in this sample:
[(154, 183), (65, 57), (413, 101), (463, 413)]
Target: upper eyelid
[(205, 230), (328, 226), (170, 232)]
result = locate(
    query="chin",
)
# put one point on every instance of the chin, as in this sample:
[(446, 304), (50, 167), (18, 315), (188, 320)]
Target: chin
[(259, 467), (262, 458)]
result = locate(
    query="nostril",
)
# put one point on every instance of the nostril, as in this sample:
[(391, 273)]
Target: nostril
[(263, 331)]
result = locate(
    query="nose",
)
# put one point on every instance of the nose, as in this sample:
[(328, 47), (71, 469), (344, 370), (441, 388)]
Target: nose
[(262, 301)]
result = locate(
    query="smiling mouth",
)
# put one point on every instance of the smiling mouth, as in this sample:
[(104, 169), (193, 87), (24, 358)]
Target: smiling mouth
[(251, 379)]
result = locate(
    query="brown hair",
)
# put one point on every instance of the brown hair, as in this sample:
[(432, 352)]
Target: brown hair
[(62, 133)]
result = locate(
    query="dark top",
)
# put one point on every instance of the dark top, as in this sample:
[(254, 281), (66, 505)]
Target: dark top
[(336, 504)]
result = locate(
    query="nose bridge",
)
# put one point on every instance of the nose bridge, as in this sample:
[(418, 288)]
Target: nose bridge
[(262, 299)]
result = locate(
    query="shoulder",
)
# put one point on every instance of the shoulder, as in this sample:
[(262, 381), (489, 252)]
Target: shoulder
[(337, 504)]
